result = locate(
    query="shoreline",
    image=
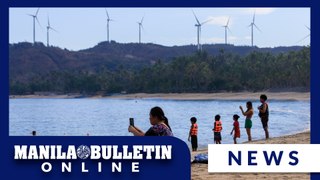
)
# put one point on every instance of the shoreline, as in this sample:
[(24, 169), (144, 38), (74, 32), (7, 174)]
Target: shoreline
[(200, 171), (290, 96)]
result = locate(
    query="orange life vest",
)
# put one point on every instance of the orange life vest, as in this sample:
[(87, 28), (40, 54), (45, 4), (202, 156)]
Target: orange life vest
[(194, 129), (218, 126)]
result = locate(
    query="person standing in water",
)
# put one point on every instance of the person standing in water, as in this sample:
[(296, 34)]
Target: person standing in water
[(217, 128), (264, 114), (236, 128), (193, 134), (248, 122)]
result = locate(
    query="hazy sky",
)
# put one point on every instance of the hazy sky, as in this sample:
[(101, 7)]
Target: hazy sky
[(80, 28)]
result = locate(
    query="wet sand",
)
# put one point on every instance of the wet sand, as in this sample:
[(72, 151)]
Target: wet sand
[(219, 96), (300, 96), (200, 171)]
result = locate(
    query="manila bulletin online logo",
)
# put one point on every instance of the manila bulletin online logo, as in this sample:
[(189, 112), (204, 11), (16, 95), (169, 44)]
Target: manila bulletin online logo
[(102, 154)]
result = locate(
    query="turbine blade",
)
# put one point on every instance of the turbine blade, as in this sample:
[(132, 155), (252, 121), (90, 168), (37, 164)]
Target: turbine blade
[(196, 17), (54, 29), (38, 21), (107, 13), (48, 21), (206, 21), (254, 16), (37, 12), (30, 15), (308, 27), (228, 22), (229, 30), (303, 38), (142, 20), (257, 27)]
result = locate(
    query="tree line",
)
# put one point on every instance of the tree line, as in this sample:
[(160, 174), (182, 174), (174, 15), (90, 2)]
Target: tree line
[(199, 72)]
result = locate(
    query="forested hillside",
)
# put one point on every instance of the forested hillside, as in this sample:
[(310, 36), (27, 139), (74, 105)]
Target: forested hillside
[(113, 67)]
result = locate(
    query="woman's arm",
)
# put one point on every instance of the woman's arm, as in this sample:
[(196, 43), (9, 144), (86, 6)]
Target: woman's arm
[(247, 113), (264, 108), (135, 131), (244, 113)]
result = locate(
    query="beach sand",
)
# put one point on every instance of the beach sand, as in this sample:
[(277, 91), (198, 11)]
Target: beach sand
[(200, 171), (219, 96), (189, 96)]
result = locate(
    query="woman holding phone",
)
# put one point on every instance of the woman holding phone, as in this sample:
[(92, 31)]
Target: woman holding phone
[(248, 123), (160, 125)]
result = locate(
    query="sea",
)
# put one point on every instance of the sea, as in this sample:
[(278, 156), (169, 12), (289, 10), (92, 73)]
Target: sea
[(110, 117)]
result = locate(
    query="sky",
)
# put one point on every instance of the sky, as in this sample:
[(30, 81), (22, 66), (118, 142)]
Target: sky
[(81, 28)]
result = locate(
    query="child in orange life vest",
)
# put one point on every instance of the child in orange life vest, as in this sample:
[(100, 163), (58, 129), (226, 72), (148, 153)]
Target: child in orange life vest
[(217, 129), (193, 133), (236, 128)]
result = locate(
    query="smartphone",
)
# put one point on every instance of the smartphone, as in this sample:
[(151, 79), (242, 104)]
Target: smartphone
[(131, 120)]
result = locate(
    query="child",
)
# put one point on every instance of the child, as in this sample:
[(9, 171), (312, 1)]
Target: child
[(217, 129), (236, 128), (193, 133)]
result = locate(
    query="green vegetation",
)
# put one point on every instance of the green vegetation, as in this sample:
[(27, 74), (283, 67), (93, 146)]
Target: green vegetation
[(200, 72)]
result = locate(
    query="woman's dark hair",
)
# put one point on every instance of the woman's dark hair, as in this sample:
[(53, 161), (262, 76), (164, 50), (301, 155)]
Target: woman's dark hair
[(158, 112), (193, 119), (217, 117), (264, 97), (236, 117), (249, 104)]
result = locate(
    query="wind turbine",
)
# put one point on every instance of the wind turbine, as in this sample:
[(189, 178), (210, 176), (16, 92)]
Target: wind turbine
[(48, 29), (305, 36), (198, 25), (108, 20), (226, 29), (35, 17), (140, 26), (252, 24)]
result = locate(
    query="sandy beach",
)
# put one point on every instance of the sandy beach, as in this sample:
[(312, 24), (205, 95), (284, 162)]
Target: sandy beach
[(301, 96), (200, 171), (220, 96)]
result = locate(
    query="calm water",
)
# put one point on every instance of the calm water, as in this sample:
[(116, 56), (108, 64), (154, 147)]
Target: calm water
[(108, 117)]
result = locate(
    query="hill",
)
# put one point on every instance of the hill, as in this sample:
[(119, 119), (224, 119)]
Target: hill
[(114, 67), (27, 60)]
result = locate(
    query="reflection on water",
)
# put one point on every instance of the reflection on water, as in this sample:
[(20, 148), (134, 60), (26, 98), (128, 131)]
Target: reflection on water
[(110, 117)]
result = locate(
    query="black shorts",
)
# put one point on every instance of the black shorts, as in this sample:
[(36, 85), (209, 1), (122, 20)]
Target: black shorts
[(194, 141), (217, 136), (264, 121)]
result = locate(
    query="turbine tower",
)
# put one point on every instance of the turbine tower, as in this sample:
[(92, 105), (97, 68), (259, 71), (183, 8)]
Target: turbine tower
[(198, 25), (226, 29), (48, 30), (108, 21), (35, 17), (252, 25), (140, 27)]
